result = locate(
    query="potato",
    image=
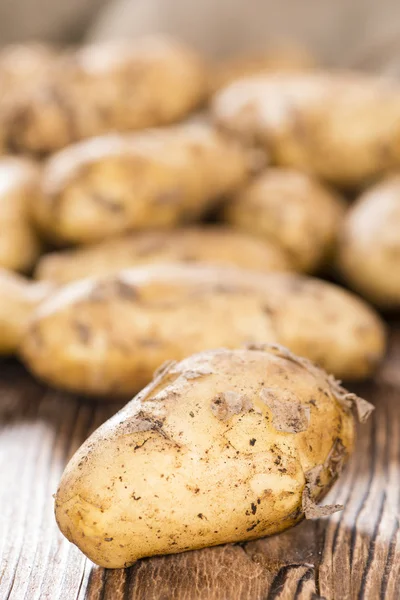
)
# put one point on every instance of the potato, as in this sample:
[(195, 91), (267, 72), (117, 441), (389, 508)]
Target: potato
[(106, 336), (216, 245), (19, 191), (369, 249), (18, 298), (342, 127), (156, 179), (114, 86), (225, 446), (292, 210), (279, 59), (25, 65)]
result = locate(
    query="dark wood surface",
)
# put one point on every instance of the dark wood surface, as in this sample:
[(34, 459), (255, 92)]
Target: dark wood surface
[(354, 554)]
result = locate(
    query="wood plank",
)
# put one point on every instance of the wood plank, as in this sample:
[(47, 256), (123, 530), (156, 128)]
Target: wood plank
[(352, 554)]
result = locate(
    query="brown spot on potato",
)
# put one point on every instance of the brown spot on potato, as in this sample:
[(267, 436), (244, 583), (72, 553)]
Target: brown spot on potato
[(83, 331), (110, 204), (229, 403), (288, 415)]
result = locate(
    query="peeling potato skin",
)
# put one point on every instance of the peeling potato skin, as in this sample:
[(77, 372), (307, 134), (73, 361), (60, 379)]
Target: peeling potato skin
[(19, 191), (106, 336), (213, 245), (114, 86), (18, 298), (155, 179), (292, 210), (339, 126), (165, 474), (369, 245)]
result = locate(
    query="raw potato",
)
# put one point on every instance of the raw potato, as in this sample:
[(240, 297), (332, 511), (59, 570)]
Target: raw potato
[(292, 210), (107, 336), (226, 446), (215, 245), (18, 298), (283, 59), (23, 66), (156, 179), (19, 192), (115, 86), (342, 127), (369, 249)]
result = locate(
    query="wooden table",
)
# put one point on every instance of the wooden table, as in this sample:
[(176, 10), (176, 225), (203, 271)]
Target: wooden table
[(353, 554)]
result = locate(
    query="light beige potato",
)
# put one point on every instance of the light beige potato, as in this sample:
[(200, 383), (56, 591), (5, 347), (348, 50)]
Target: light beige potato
[(114, 86), (25, 65), (369, 248), (155, 179), (18, 299), (342, 127), (287, 58), (225, 446), (213, 245), (19, 192), (292, 210), (106, 336)]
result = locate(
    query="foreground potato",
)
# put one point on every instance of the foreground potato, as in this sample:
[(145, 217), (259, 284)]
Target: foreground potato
[(158, 178), (107, 336), (19, 192), (369, 249), (292, 210), (216, 245), (226, 446), (115, 86), (342, 127), (18, 298)]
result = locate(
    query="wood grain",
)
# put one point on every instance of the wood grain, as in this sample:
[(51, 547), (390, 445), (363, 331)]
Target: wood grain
[(354, 554)]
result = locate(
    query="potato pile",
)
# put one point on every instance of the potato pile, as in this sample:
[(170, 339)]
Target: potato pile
[(155, 208)]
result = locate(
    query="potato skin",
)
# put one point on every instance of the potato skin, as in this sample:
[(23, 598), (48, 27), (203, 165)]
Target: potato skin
[(18, 298), (292, 210), (369, 248), (19, 191), (114, 86), (106, 336), (213, 245), (155, 179), (204, 456), (342, 127)]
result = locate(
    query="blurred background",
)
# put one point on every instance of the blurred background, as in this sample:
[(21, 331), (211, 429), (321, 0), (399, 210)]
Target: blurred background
[(356, 33)]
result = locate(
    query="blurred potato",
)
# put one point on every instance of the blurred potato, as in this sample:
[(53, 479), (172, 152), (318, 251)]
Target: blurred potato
[(343, 127), (369, 248), (154, 179), (105, 336), (19, 192), (23, 66), (18, 298), (280, 59), (217, 245), (293, 211), (115, 86)]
